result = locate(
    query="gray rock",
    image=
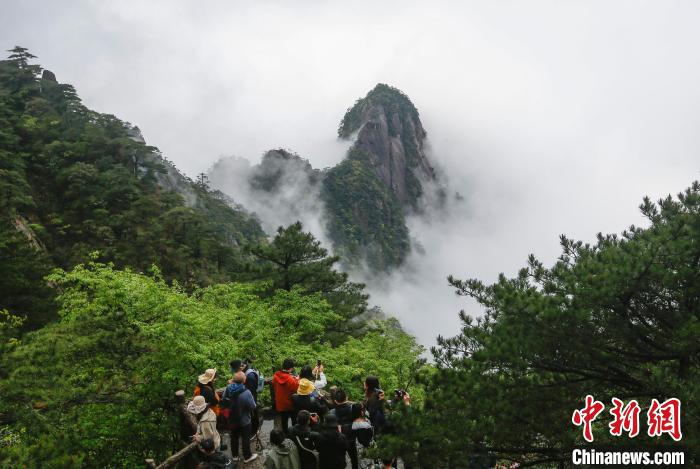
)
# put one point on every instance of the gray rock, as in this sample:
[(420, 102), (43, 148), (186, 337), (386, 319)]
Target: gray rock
[(48, 75), (390, 132), (135, 134)]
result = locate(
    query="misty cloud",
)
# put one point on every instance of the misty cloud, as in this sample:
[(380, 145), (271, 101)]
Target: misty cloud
[(548, 117)]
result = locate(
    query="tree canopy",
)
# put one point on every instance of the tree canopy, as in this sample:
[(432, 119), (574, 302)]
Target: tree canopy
[(295, 259), (617, 318), (94, 388)]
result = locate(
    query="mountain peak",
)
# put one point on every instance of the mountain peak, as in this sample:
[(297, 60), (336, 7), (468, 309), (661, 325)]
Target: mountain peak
[(384, 99), (389, 131), (279, 167)]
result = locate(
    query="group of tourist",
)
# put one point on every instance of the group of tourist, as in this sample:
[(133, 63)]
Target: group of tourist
[(325, 425)]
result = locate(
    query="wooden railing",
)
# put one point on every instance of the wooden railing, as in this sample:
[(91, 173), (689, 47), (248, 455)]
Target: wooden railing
[(188, 425)]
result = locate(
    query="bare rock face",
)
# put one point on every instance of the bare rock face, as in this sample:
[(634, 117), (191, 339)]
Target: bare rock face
[(135, 134), (388, 129), (48, 75)]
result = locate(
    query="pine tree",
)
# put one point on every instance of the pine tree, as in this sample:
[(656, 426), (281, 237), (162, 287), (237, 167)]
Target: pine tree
[(618, 318), (21, 56), (296, 259)]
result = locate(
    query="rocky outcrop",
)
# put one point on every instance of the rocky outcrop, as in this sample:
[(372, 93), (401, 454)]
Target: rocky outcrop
[(281, 168), (23, 226), (48, 75), (170, 178), (135, 134), (386, 126)]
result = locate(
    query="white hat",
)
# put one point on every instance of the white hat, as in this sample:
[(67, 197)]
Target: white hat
[(208, 376), (197, 405)]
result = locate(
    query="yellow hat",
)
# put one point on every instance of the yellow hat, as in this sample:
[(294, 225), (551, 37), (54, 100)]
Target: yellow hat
[(306, 387)]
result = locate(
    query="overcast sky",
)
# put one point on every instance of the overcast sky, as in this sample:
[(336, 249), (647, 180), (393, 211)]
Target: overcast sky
[(549, 116)]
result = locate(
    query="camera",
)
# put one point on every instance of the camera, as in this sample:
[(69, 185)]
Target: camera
[(399, 394)]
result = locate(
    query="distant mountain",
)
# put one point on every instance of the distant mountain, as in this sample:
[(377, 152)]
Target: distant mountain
[(383, 178), (74, 181), (362, 202), (282, 168)]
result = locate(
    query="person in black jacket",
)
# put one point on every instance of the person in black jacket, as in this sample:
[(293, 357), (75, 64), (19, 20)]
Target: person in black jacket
[(206, 387), (343, 411), (306, 399), (331, 444), (374, 403), (302, 434), (361, 429), (213, 459)]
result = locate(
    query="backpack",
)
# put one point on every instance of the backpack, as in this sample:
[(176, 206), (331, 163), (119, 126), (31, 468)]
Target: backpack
[(364, 436), (231, 411), (305, 454), (219, 460), (260, 381)]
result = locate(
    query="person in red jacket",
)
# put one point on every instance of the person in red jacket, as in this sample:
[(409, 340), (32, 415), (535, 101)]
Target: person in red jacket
[(284, 384)]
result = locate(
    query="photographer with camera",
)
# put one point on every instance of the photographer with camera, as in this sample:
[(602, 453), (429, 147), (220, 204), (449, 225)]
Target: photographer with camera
[(315, 375), (343, 411), (306, 396), (374, 403), (376, 406), (401, 395), (302, 434)]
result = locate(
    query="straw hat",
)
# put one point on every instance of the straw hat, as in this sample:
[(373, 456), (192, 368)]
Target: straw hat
[(197, 405), (306, 387), (208, 376)]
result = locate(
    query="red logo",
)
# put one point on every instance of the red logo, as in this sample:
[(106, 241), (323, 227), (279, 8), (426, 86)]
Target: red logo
[(587, 415), (665, 418), (626, 418), (662, 418)]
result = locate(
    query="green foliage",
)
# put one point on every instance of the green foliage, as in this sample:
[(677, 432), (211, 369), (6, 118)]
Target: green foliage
[(94, 388), (365, 221), (9, 330), (73, 181), (295, 260), (618, 318)]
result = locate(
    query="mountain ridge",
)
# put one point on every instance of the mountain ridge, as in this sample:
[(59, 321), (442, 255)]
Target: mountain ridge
[(76, 182)]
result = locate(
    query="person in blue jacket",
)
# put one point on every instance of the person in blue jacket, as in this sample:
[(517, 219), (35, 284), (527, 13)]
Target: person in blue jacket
[(239, 400)]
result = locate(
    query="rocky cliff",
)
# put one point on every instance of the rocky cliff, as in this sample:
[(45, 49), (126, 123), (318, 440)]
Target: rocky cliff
[(386, 126)]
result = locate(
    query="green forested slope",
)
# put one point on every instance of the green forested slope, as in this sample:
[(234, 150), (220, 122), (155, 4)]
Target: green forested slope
[(365, 221), (74, 181)]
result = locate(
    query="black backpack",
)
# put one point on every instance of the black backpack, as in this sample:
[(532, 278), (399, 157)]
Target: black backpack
[(218, 460)]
